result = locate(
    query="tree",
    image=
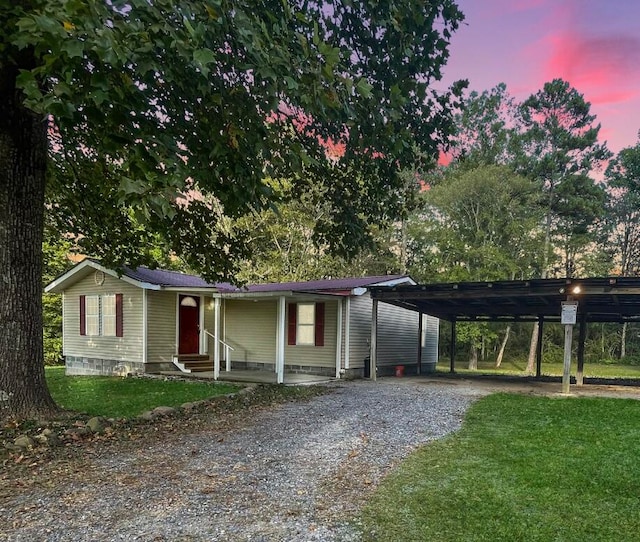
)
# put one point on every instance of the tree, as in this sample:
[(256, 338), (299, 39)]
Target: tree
[(478, 224), (559, 145), (148, 101), (623, 177), (485, 129)]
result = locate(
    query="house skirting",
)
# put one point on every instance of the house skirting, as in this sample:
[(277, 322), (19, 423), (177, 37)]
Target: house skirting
[(81, 365), (297, 369)]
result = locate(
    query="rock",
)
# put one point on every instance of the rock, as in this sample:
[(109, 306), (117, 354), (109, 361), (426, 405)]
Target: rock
[(97, 424), (188, 406), (24, 442), (77, 431), (148, 416), (163, 411)]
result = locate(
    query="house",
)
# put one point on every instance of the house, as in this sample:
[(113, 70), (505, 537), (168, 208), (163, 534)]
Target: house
[(152, 320)]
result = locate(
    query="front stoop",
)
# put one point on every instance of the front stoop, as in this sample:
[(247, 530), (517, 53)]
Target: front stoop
[(193, 363)]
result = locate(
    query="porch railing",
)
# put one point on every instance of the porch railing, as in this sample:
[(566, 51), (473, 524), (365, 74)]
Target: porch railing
[(216, 359)]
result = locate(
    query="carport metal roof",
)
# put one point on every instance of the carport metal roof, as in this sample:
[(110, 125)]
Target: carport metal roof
[(610, 299)]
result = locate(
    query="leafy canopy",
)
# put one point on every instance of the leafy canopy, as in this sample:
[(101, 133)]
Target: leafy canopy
[(151, 100)]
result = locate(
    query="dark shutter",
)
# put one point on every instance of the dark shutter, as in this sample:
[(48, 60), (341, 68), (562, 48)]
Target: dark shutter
[(118, 315), (291, 323), (83, 315), (319, 324)]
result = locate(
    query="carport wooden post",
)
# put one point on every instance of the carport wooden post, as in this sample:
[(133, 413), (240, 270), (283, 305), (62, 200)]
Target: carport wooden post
[(419, 369), (452, 362), (373, 354), (539, 347), (582, 335)]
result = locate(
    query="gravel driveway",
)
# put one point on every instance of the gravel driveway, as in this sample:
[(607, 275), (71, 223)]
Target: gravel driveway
[(295, 472)]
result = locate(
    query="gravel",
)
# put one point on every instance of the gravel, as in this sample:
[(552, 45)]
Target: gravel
[(294, 472)]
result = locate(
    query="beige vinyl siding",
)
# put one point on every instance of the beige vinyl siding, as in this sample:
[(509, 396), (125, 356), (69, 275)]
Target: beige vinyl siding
[(208, 324), (316, 356), (250, 328), (161, 326), (125, 348)]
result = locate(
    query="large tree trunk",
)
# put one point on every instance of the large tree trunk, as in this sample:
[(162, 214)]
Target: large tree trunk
[(503, 346), (473, 358), (23, 160)]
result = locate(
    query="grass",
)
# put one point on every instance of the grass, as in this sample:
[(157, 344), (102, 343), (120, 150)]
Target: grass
[(521, 468), (116, 397), (594, 370)]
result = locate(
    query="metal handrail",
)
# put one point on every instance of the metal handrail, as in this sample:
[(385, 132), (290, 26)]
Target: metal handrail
[(216, 358), (219, 340)]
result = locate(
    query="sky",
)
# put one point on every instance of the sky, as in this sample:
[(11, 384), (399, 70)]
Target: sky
[(592, 44)]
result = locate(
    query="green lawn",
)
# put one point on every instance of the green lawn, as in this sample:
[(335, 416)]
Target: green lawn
[(116, 397), (521, 468), (548, 369)]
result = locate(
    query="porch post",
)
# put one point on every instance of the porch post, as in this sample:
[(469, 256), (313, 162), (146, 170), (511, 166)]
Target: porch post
[(280, 341), (339, 340), (373, 354), (347, 330), (216, 344)]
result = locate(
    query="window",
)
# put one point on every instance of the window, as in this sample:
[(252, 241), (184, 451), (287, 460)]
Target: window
[(92, 315), (109, 315), (306, 324), (101, 315)]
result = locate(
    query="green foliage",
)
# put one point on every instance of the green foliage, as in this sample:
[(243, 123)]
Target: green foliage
[(477, 224), (566, 470), (116, 397), (157, 102)]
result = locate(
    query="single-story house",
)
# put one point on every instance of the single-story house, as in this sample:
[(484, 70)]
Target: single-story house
[(150, 320)]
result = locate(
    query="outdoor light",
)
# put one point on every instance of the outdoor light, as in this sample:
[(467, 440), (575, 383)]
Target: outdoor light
[(576, 290)]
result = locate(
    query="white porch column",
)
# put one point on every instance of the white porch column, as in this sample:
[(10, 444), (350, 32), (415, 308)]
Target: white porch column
[(216, 343), (373, 354), (347, 330), (339, 339), (280, 340)]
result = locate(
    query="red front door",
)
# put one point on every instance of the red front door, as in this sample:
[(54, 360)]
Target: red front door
[(189, 325)]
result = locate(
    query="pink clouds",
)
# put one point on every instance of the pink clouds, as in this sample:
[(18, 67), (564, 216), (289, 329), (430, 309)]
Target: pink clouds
[(604, 68)]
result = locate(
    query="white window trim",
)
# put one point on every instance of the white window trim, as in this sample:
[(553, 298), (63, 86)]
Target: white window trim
[(89, 330), (306, 325), (104, 317)]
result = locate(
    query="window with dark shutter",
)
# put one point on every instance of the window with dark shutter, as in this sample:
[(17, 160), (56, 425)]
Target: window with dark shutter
[(291, 324), (83, 312), (319, 328), (119, 327)]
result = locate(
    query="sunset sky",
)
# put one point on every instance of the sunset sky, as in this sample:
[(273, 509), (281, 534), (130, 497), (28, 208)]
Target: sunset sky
[(592, 44)]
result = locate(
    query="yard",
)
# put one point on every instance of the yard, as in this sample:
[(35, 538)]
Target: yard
[(521, 468), (115, 397)]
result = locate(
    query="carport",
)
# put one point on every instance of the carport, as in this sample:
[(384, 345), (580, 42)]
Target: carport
[(611, 299)]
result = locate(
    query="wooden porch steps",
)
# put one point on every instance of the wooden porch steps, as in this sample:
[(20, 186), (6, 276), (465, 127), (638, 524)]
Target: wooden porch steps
[(193, 363)]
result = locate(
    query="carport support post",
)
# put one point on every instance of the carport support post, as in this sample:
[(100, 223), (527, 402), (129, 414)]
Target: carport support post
[(539, 347), (452, 363), (566, 369), (582, 335), (419, 369), (373, 353)]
